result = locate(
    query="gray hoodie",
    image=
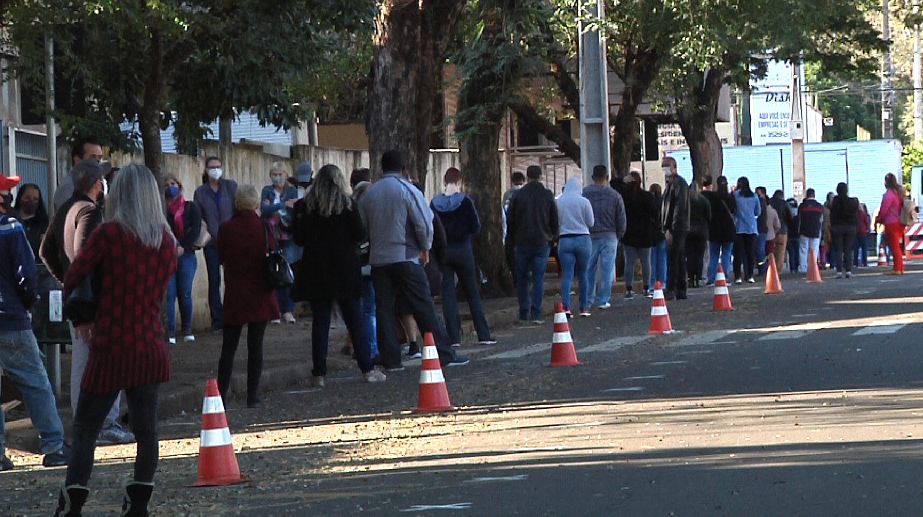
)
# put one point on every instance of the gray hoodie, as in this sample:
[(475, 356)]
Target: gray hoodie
[(400, 221), (575, 211)]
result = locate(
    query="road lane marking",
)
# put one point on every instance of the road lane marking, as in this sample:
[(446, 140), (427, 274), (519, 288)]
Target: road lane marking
[(667, 363), (427, 507), (630, 388), (700, 338), (878, 329), (521, 477), (642, 377), (785, 334), (690, 352), (614, 344), (522, 352)]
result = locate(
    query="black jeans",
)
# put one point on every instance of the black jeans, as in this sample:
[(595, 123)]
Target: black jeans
[(92, 409), (843, 237), (460, 261), (351, 308), (255, 332), (408, 279), (676, 263), (696, 243), (744, 248)]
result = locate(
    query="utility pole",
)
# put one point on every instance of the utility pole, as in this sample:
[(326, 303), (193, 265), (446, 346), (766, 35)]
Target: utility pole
[(917, 79), (796, 132), (51, 140), (887, 95), (594, 95)]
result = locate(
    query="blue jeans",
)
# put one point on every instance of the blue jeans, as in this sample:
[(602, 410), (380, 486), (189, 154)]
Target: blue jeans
[(794, 253), (88, 420), (715, 249), (213, 266), (351, 309), (761, 251), (368, 314), (180, 288), (292, 254), (22, 362), (531, 260), (603, 256), (574, 255), (860, 250), (659, 263), (632, 255), (460, 261)]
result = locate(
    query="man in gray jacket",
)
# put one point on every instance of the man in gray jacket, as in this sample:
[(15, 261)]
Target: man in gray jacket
[(400, 236), (608, 228)]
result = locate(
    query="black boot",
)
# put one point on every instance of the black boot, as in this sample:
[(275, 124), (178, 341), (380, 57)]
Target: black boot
[(71, 500), (137, 495)]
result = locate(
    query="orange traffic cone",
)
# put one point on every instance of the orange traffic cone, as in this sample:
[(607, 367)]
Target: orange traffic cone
[(433, 394), (217, 462), (882, 257), (773, 284), (722, 296), (562, 344), (660, 318), (813, 268)]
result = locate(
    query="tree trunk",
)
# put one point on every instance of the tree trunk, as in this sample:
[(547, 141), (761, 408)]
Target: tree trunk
[(641, 68), (409, 49), (697, 113), (566, 145), (153, 101), (480, 161)]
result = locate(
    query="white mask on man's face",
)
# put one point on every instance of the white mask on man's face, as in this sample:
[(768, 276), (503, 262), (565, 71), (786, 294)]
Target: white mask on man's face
[(215, 173), (667, 172)]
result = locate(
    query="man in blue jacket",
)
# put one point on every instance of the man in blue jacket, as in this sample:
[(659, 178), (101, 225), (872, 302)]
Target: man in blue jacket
[(19, 355), (609, 226)]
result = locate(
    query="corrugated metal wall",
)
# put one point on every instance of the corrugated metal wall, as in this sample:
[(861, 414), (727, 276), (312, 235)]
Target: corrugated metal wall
[(862, 165)]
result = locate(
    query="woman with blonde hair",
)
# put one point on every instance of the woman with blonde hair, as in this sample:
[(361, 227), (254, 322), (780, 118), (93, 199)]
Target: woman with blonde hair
[(132, 254), (248, 298), (329, 226), (277, 200)]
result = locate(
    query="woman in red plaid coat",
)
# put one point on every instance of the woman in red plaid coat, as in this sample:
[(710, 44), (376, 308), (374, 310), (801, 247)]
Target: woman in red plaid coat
[(133, 254)]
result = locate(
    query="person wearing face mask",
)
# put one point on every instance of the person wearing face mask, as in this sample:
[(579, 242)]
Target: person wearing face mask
[(83, 149), (69, 231), (215, 199), (185, 220), (278, 198), (32, 214)]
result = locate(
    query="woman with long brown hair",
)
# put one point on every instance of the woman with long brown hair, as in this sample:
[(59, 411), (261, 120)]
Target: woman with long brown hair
[(890, 215)]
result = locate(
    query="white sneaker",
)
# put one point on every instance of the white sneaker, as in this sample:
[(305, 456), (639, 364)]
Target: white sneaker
[(374, 376), (172, 340), (605, 306), (288, 318), (113, 435), (188, 337)]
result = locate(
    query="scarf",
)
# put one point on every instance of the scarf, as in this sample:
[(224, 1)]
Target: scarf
[(176, 208)]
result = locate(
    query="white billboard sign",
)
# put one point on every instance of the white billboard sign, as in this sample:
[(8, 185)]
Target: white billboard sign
[(771, 105)]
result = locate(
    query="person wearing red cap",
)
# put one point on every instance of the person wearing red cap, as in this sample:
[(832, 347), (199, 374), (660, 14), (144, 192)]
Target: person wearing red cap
[(6, 197), (20, 358)]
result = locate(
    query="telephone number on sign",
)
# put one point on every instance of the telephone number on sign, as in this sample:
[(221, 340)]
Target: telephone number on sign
[(776, 134)]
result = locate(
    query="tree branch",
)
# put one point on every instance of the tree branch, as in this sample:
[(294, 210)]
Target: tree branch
[(564, 142)]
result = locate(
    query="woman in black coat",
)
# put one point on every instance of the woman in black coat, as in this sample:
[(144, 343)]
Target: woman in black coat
[(329, 227), (721, 229)]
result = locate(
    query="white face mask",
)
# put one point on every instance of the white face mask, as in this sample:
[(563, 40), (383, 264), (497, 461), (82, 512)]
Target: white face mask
[(105, 187), (278, 181), (667, 172), (214, 174)]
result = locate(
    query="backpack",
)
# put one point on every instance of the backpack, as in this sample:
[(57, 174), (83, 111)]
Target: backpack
[(907, 215)]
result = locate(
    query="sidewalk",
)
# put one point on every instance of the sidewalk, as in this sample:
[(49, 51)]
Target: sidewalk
[(286, 356)]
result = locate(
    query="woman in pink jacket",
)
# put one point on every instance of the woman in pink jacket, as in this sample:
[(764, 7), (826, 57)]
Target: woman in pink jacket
[(890, 215)]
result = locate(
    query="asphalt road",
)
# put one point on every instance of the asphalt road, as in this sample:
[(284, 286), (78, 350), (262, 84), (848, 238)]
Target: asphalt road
[(801, 403)]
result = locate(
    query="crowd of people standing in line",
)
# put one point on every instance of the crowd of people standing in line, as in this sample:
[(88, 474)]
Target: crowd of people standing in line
[(670, 230)]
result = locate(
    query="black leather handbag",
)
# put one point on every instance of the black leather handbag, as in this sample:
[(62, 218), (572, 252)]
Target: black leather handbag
[(82, 302), (278, 272)]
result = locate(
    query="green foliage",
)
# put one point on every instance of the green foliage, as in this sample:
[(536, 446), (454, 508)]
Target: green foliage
[(911, 154), (190, 61), (850, 99)]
